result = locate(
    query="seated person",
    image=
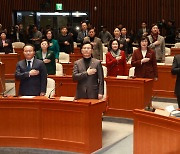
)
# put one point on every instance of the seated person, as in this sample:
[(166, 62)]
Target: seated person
[(88, 72), (32, 74), (47, 56)]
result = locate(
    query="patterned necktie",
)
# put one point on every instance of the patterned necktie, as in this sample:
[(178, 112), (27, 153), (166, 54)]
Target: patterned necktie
[(29, 66)]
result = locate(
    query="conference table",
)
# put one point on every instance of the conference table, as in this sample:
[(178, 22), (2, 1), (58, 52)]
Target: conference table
[(164, 86), (124, 95), (155, 134), (56, 123), (175, 51), (2, 78)]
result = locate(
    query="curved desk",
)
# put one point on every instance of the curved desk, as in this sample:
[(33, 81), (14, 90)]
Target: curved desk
[(52, 124)]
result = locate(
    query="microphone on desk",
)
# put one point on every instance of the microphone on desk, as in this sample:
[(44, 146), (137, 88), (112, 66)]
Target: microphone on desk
[(149, 107), (53, 90)]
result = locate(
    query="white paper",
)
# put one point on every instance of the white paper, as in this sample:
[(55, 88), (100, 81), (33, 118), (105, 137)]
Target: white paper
[(65, 98), (122, 77), (170, 108), (27, 96)]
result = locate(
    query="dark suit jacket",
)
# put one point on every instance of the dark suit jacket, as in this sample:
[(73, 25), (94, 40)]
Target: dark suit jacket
[(145, 70), (51, 67), (31, 85), (176, 71), (7, 49), (89, 86)]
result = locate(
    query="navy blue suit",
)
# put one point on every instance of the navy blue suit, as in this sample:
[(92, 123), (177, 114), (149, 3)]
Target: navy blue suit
[(31, 85)]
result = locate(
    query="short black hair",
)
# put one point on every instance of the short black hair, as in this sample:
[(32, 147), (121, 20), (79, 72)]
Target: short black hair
[(87, 42), (111, 41), (28, 44)]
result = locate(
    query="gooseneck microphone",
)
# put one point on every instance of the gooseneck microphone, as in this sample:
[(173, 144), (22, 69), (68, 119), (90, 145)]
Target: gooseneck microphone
[(53, 90), (149, 106)]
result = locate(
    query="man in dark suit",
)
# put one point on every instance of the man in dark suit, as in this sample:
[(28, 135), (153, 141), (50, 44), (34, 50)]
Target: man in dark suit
[(83, 33), (32, 74), (176, 71), (88, 73)]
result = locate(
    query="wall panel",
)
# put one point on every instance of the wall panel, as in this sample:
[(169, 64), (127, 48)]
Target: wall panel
[(130, 12)]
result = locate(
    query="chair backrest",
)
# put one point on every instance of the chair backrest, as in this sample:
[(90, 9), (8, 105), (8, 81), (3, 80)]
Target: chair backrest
[(64, 57), (59, 69), (105, 49), (177, 45), (18, 44), (105, 71), (105, 90), (169, 60), (167, 51), (131, 71), (50, 87), (104, 57)]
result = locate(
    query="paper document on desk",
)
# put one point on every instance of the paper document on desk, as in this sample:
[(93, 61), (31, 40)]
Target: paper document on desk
[(122, 77), (27, 96), (65, 98)]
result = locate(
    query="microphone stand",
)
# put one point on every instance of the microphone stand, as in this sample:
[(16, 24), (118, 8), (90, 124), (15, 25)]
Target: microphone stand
[(53, 90), (149, 106)]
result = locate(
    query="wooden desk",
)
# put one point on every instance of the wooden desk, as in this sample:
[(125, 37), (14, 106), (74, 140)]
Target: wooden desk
[(19, 51), (2, 78), (155, 134), (164, 86), (125, 95), (10, 61), (175, 51), (74, 57), (65, 86), (51, 124), (67, 68)]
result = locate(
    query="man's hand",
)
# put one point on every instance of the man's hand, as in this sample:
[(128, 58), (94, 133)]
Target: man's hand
[(33, 72), (91, 71), (100, 96), (46, 61)]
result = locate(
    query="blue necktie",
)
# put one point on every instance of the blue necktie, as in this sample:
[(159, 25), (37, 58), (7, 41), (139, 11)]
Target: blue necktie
[(29, 66)]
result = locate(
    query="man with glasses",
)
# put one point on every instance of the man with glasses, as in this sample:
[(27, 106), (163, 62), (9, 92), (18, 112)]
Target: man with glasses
[(88, 73), (32, 74)]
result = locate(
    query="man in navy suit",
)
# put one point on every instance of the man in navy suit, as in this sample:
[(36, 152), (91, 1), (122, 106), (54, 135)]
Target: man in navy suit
[(32, 74)]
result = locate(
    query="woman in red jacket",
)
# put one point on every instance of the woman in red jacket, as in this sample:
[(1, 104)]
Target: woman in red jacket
[(144, 60), (116, 59)]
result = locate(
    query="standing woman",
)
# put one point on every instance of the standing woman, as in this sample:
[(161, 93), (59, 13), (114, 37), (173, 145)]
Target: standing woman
[(47, 56), (65, 41), (5, 44), (53, 44), (116, 59), (144, 60)]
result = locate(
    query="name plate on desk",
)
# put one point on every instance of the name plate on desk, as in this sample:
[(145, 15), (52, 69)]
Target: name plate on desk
[(27, 96), (122, 77), (65, 98)]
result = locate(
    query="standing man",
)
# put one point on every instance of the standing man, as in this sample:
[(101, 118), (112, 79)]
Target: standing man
[(96, 43), (32, 74), (88, 73), (176, 71), (83, 33)]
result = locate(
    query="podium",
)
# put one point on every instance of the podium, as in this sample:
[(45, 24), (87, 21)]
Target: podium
[(155, 134), (2, 78), (125, 95), (51, 123)]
